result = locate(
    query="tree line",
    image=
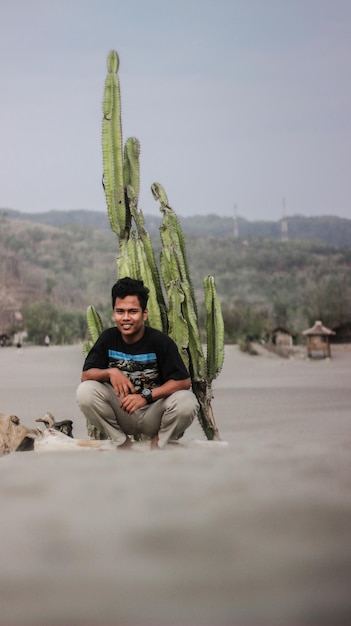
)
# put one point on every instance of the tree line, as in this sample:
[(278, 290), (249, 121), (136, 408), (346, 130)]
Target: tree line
[(329, 229), (262, 283)]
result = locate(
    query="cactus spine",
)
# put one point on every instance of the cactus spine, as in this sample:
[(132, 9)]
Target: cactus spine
[(176, 314)]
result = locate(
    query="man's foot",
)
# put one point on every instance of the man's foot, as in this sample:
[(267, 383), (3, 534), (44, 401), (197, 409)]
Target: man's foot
[(126, 444), (154, 443)]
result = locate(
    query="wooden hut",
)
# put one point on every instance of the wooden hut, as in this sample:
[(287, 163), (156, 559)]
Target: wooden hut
[(282, 337), (317, 339)]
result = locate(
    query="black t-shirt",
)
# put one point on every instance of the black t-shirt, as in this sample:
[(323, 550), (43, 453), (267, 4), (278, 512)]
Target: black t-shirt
[(148, 363)]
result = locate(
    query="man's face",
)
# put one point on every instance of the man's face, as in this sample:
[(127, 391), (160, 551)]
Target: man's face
[(129, 318)]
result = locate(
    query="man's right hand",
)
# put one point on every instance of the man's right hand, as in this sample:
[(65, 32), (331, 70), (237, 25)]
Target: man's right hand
[(121, 383)]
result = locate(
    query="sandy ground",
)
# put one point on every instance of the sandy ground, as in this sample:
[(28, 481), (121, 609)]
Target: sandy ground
[(258, 532)]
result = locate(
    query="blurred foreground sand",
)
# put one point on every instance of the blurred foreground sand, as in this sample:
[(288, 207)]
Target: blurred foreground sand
[(258, 532)]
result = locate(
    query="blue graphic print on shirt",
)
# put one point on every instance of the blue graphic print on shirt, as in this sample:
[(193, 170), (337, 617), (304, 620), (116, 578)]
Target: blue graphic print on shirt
[(141, 369)]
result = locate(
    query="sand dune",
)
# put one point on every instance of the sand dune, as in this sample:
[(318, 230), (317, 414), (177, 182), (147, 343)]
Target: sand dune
[(254, 533)]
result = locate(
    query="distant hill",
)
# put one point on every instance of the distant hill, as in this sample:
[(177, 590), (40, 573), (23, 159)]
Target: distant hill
[(335, 231), (81, 217), (261, 280)]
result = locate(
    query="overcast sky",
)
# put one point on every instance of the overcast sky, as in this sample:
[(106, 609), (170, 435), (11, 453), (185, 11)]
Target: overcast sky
[(235, 102)]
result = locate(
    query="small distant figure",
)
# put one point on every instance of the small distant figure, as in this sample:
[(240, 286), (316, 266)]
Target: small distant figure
[(47, 341), (19, 346)]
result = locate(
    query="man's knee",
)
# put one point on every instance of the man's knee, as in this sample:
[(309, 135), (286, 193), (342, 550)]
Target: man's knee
[(183, 403), (86, 392)]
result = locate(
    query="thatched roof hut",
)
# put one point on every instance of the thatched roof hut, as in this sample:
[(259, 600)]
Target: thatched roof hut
[(317, 338), (281, 336)]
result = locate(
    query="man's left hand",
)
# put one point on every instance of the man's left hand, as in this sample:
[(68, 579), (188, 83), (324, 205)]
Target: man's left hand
[(132, 402)]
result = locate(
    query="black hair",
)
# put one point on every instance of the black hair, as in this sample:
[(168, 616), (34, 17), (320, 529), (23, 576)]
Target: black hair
[(130, 287)]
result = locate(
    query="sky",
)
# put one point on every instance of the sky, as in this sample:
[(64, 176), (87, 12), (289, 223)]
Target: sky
[(239, 105)]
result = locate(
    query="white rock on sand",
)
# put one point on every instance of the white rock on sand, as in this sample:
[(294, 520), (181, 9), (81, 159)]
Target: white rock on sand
[(254, 533)]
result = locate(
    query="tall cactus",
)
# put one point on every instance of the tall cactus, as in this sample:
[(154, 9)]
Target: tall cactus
[(177, 313), (112, 150), (178, 283)]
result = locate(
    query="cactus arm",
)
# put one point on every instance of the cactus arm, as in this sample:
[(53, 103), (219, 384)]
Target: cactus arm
[(145, 238), (174, 266), (132, 261), (94, 323), (125, 259), (215, 357), (159, 194), (87, 346), (197, 359), (145, 274), (169, 267), (172, 234), (154, 276), (131, 166), (171, 222), (112, 150), (178, 327), (214, 329), (131, 177)]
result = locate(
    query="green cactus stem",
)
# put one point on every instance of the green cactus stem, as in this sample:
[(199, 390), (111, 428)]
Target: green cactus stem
[(174, 267), (214, 330), (131, 166), (203, 392), (145, 274), (94, 323), (177, 279), (112, 150), (214, 360), (154, 279), (178, 326)]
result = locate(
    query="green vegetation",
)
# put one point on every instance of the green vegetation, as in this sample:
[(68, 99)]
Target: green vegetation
[(43, 318), (267, 283), (261, 283), (68, 265)]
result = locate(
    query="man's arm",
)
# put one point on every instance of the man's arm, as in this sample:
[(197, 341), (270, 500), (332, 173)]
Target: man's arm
[(121, 383), (102, 376), (170, 387), (133, 401)]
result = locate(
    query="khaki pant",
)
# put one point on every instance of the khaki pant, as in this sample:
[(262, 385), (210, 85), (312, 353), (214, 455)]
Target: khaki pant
[(168, 418)]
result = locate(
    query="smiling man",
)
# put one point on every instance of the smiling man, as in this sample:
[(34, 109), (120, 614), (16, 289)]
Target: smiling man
[(134, 381)]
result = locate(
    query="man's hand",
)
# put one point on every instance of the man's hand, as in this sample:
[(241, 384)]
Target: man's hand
[(121, 383), (132, 402)]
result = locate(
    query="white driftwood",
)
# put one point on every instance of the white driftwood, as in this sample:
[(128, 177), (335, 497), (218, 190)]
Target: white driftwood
[(15, 437), (51, 440)]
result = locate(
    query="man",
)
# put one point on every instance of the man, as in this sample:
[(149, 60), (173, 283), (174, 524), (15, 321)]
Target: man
[(134, 381)]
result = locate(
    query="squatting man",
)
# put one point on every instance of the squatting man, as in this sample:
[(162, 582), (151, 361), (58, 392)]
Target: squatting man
[(134, 381)]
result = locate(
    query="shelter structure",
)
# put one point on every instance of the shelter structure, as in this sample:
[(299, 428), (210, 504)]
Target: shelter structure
[(317, 339), (282, 337)]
